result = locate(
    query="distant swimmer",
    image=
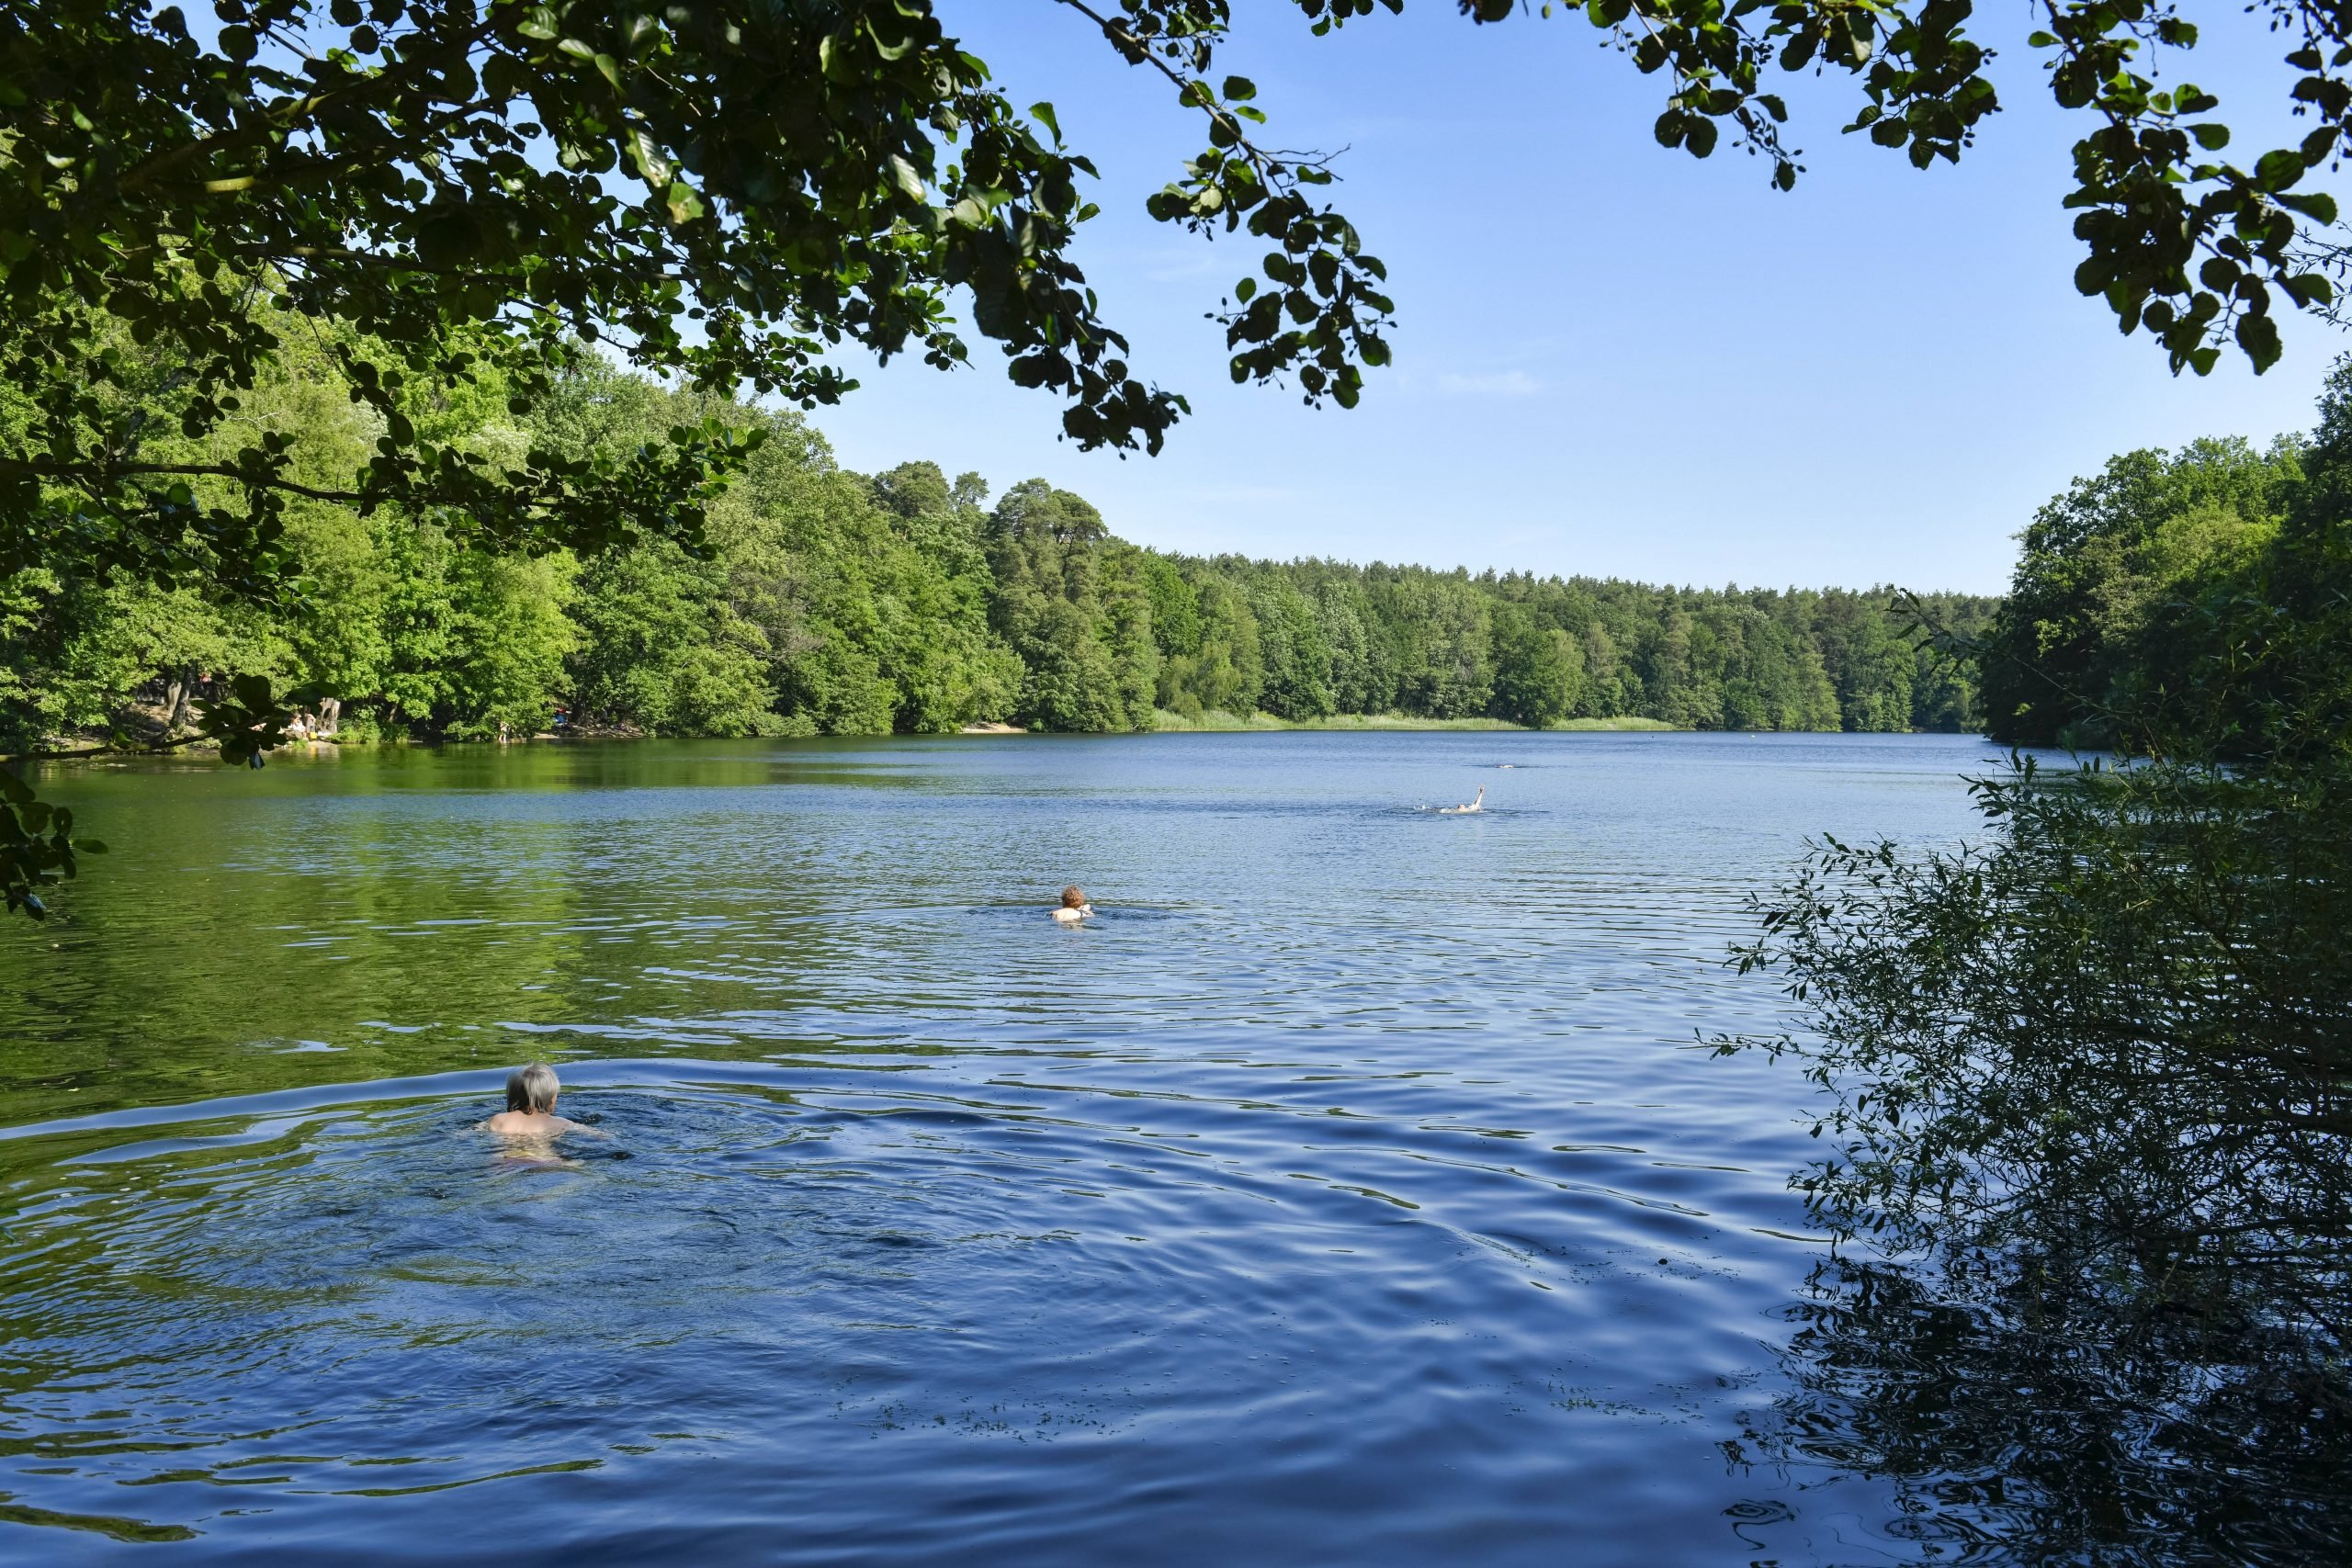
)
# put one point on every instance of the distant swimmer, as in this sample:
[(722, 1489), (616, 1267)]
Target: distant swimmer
[(1477, 805), (1074, 906)]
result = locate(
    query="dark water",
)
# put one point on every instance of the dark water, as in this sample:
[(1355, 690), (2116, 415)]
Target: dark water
[(1350, 1191)]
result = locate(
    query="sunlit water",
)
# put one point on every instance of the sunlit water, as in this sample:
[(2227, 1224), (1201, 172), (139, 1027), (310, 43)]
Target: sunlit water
[(1353, 1190)]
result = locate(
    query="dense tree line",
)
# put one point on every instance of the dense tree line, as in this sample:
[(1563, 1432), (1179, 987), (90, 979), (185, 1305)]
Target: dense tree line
[(2181, 599), (825, 601), (1306, 639)]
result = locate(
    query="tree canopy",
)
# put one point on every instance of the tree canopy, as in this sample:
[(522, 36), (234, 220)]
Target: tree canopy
[(828, 601), (722, 193), (456, 201)]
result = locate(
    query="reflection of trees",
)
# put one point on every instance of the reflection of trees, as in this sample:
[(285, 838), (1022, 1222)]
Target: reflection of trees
[(2089, 1104), (2043, 1416)]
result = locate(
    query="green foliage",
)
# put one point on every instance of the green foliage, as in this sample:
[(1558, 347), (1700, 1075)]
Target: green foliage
[(448, 200), (822, 602), (1539, 671), (2181, 240), (2139, 973), (36, 847), (720, 192), (2099, 616), (1292, 650), (2088, 1098), (2088, 1082), (1430, 645), (1074, 605)]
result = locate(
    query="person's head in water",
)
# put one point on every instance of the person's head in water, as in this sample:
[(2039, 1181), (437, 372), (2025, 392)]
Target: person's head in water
[(532, 1089), (1073, 899)]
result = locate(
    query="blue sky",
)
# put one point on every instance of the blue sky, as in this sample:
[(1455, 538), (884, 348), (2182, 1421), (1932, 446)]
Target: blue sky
[(1611, 359)]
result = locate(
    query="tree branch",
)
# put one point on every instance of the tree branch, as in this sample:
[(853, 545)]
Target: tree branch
[(88, 472)]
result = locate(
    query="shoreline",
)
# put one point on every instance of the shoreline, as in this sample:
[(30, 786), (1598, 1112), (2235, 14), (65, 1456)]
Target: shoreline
[(1216, 722), (1170, 724), (1165, 722)]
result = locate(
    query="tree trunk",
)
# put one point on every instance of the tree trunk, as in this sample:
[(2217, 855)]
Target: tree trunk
[(329, 715), (175, 701)]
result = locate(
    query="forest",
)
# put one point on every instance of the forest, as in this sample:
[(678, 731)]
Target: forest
[(830, 603)]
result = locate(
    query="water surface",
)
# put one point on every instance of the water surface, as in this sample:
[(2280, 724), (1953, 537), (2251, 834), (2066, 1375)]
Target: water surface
[(1353, 1190)]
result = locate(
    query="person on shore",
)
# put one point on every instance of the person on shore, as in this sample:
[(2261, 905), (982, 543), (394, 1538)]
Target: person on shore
[(1074, 906), (531, 1092)]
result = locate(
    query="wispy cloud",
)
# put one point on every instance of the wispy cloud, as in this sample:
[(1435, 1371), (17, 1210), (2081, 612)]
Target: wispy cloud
[(1495, 384), (1194, 262)]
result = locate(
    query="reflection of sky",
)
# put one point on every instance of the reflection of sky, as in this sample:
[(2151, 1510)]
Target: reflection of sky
[(1613, 360)]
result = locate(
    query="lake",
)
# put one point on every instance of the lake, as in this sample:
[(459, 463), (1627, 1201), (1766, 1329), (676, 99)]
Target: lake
[(1356, 1189)]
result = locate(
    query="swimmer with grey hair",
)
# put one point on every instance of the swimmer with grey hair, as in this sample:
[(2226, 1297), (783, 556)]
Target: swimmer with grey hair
[(531, 1105)]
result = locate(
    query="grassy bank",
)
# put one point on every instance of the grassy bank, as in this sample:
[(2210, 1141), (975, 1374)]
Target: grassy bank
[(1217, 720), (1644, 724)]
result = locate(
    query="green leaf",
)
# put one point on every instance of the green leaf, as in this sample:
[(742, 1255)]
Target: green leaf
[(652, 167), (890, 50), (2308, 289), (1241, 89), (2279, 169), (2258, 335), (1043, 113), (2317, 206)]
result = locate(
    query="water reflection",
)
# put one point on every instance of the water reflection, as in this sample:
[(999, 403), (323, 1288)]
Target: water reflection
[(2043, 1419)]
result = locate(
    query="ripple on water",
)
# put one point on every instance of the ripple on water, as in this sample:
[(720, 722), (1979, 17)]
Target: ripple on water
[(1350, 1191), (362, 1301)]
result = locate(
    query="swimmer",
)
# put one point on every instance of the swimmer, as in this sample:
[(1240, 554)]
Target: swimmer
[(1477, 805), (530, 1106), (1074, 906)]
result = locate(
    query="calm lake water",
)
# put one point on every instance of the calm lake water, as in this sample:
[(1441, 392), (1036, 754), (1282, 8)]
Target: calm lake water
[(1353, 1190)]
